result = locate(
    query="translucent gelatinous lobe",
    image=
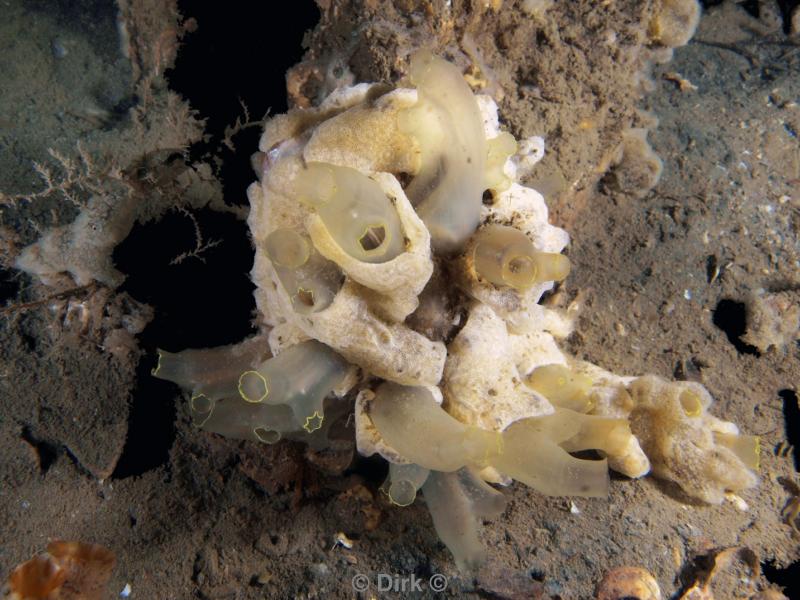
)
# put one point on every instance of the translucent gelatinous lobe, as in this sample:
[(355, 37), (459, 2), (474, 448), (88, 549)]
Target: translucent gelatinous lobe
[(746, 447), (310, 280), (533, 455), (355, 211), (299, 377), (259, 422), (530, 450), (505, 256), (456, 501), (411, 422), (499, 149), (210, 372), (562, 386), (447, 125), (287, 248), (403, 483)]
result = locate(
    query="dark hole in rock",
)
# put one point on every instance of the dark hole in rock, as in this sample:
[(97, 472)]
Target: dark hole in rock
[(46, 453), (791, 413), (788, 577), (373, 469), (751, 7), (788, 8), (731, 317), (537, 575), (217, 72), (208, 302), (151, 424), (198, 302), (9, 285)]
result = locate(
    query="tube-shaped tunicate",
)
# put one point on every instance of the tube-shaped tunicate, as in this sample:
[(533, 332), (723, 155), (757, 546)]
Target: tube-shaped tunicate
[(532, 455), (505, 256), (210, 372), (498, 151), (235, 418), (301, 377), (418, 429), (455, 501), (355, 210), (447, 125), (609, 435), (746, 447), (411, 422), (562, 386), (310, 280), (403, 482), (486, 501)]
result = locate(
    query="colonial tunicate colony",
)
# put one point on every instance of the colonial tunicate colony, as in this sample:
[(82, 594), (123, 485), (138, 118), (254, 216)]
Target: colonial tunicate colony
[(399, 262)]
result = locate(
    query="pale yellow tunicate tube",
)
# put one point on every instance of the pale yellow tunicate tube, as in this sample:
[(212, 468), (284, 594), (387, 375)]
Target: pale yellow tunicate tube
[(210, 372), (533, 455), (411, 422), (607, 434), (310, 280), (355, 210), (746, 447), (505, 256), (448, 128), (456, 501), (235, 418), (300, 377), (499, 149), (562, 387), (403, 482)]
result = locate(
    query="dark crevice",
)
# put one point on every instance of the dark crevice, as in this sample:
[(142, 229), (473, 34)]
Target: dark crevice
[(206, 300), (46, 453), (751, 7), (199, 301), (731, 317), (373, 469), (791, 414), (151, 424), (217, 72), (787, 578), (10, 285), (788, 8)]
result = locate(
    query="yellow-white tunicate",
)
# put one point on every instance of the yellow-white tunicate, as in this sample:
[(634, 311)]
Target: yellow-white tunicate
[(447, 125), (235, 418), (311, 280), (300, 377), (562, 386), (498, 150), (746, 447), (355, 211), (411, 422), (456, 501), (533, 455), (505, 256), (403, 482), (210, 372), (530, 450)]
